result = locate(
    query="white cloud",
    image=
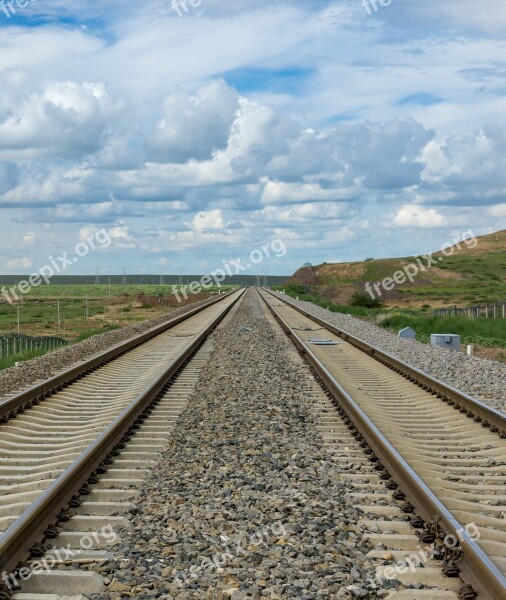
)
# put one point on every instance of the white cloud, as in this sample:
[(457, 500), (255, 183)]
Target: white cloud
[(29, 238), (212, 219), (120, 118), (65, 119), (279, 192), (120, 234), (499, 210), (487, 15), (194, 125), (304, 213), (418, 217), (19, 263)]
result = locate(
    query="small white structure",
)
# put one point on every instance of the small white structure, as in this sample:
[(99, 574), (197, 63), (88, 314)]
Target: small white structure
[(445, 340), (407, 333)]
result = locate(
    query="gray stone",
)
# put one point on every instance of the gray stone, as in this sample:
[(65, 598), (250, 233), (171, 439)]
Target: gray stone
[(407, 333)]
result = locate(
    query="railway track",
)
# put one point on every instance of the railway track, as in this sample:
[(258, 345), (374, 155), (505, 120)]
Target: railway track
[(58, 436), (445, 451), (401, 452)]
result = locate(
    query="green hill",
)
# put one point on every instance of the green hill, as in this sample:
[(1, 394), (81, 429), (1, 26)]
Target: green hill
[(469, 276)]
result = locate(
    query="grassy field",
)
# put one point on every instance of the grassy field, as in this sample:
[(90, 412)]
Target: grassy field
[(62, 291), (85, 308)]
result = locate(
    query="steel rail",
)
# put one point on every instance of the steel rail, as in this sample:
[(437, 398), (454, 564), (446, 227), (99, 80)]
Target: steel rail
[(17, 403), (29, 528), (476, 566), (481, 413)]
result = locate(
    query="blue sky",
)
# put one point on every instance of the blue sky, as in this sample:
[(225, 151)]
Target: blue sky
[(195, 139)]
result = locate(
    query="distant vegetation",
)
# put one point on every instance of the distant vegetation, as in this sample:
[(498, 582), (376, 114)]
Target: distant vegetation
[(10, 361), (484, 332), (91, 332), (298, 291), (470, 276), (365, 300)]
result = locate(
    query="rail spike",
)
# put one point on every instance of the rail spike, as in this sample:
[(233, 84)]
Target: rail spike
[(467, 593)]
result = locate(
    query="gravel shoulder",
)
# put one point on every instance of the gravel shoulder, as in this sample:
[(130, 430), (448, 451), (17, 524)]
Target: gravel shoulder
[(484, 379), (246, 501), (30, 372)]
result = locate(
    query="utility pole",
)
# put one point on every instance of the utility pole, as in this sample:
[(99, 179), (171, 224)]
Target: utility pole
[(87, 310), (97, 276), (58, 314), (124, 279), (109, 287), (19, 308), (161, 277)]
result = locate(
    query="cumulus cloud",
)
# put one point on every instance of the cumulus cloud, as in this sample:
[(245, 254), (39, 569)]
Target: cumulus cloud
[(19, 263), (282, 192), (194, 125), (204, 220), (66, 118), (195, 149), (418, 217)]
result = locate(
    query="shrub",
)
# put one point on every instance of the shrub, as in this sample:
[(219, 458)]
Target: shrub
[(363, 299)]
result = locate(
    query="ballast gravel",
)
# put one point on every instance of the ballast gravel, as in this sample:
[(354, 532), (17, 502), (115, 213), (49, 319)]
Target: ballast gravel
[(484, 379), (29, 372), (246, 501)]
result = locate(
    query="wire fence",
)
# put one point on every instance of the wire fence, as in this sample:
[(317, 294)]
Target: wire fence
[(46, 314), (19, 344), (488, 311)]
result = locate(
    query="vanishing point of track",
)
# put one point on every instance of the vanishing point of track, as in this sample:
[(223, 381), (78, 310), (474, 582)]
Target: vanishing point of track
[(83, 440)]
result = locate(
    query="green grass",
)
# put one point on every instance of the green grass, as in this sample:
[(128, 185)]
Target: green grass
[(10, 361), (484, 332), (95, 292), (91, 332), (46, 312), (296, 291)]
